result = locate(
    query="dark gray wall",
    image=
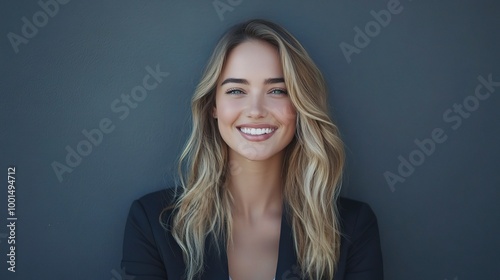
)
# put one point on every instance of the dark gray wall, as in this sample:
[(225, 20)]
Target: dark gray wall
[(439, 213)]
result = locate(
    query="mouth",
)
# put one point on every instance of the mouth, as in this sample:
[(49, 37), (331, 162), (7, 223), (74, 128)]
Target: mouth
[(256, 131)]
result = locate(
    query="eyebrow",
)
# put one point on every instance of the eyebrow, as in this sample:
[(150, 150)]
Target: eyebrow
[(245, 82)]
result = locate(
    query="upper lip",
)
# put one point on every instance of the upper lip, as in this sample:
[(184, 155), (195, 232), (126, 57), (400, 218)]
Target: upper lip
[(257, 125)]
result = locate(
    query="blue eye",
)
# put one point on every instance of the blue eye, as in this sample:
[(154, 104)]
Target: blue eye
[(278, 91), (234, 91)]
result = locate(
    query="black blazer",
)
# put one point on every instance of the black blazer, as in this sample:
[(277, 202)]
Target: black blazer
[(151, 253)]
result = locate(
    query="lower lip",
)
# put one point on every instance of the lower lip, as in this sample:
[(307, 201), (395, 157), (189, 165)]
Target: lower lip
[(257, 138)]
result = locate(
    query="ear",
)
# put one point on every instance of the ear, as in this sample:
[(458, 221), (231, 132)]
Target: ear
[(214, 112)]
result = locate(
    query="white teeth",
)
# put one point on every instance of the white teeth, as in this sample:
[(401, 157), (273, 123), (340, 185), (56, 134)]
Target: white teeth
[(256, 131)]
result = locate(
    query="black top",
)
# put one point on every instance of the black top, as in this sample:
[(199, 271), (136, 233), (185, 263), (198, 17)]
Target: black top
[(151, 253)]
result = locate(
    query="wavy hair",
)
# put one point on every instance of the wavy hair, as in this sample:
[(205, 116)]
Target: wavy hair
[(313, 162)]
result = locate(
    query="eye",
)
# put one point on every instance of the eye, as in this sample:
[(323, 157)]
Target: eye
[(234, 91), (278, 91)]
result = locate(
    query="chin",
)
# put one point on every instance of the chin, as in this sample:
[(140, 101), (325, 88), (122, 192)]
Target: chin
[(255, 155)]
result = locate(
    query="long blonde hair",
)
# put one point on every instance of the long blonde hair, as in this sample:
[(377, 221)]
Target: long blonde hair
[(313, 161)]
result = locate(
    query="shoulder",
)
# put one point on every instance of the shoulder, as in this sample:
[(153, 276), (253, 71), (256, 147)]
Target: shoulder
[(149, 207), (356, 218), (350, 209), (148, 245), (160, 199), (360, 250)]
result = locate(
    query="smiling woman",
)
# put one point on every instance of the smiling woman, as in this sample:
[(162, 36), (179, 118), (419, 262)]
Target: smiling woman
[(260, 177), (257, 107)]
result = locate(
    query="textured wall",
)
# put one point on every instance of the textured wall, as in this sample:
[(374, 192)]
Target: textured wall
[(415, 96)]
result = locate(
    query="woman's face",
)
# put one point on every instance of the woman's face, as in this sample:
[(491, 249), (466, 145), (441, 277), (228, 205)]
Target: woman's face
[(256, 117)]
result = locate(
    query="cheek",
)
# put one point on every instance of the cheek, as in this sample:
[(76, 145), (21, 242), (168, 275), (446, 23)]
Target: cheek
[(287, 113), (227, 112)]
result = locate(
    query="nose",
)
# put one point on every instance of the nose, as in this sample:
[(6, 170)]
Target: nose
[(256, 106)]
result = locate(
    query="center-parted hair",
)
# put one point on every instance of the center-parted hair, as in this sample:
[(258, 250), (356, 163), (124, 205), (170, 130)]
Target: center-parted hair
[(312, 167)]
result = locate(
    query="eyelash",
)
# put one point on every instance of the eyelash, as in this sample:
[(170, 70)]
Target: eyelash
[(234, 90)]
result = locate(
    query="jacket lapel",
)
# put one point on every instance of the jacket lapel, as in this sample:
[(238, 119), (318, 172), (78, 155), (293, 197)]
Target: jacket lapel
[(287, 258)]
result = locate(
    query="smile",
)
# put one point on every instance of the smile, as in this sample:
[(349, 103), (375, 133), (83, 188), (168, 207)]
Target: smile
[(256, 131)]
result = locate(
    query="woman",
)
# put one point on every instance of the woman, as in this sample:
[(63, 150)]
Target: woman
[(260, 177)]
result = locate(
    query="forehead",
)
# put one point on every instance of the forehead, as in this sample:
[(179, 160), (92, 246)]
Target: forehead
[(253, 58)]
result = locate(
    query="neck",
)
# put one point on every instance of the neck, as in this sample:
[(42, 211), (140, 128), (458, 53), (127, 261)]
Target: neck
[(256, 186)]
